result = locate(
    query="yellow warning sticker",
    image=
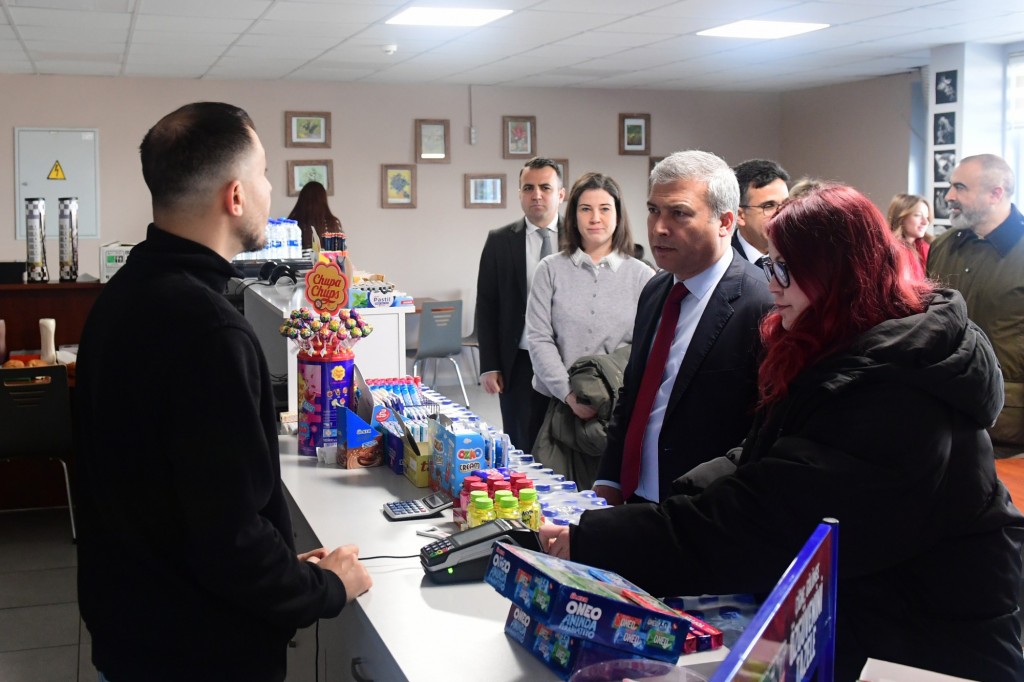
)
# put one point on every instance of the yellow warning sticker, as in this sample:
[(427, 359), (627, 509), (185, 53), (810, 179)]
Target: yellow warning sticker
[(56, 173)]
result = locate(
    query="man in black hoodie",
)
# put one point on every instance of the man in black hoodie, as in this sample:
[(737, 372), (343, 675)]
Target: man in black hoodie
[(186, 562)]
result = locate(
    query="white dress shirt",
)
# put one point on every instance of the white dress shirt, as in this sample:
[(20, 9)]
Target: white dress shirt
[(533, 259), (751, 251), (691, 309)]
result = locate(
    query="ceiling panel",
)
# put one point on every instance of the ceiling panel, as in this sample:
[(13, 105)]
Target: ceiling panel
[(546, 43)]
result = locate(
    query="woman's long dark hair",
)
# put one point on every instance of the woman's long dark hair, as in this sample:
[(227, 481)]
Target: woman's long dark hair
[(843, 256), (311, 212), (622, 238)]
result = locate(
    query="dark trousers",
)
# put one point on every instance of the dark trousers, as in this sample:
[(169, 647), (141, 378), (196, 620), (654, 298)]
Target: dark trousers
[(522, 408)]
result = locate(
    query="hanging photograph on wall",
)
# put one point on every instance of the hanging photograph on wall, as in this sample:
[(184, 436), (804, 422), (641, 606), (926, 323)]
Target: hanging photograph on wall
[(432, 141), (307, 129), (302, 172), (939, 203), (563, 168), (519, 137), (397, 185), (944, 128), (945, 87), (635, 134), (944, 162), (484, 190)]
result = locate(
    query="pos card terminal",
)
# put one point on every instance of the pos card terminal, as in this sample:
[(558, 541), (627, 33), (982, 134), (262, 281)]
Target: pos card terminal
[(464, 556)]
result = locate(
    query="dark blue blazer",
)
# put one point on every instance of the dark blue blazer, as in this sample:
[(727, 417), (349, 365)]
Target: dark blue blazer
[(711, 406)]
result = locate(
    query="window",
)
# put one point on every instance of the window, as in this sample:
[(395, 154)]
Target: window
[(1015, 120)]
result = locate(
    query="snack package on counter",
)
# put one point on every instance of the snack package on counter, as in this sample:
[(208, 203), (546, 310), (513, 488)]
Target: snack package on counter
[(588, 603)]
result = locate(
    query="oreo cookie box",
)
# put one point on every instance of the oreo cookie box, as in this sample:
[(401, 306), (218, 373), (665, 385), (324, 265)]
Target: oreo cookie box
[(587, 603)]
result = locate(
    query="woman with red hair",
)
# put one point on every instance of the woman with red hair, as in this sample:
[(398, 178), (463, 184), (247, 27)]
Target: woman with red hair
[(875, 394)]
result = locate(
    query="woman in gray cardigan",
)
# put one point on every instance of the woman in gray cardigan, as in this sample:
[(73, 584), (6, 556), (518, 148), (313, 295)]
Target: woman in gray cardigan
[(583, 299)]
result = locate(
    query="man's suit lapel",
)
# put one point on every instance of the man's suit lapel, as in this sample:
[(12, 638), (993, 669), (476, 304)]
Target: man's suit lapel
[(736, 244), (710, 326), (517, 252)]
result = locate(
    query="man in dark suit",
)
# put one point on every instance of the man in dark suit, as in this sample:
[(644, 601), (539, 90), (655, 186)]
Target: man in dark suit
[(509, 258), (691, 381), (762, 191)]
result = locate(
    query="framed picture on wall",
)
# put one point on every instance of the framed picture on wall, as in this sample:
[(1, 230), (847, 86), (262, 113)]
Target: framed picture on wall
[(939, 204), (433, 141), (945, 87), (317, 170), (397, 185), (519, 137), (944, 163), (635, 134), (567, 180), (944, 128), (485, 190), (307, 129), (651, 163)]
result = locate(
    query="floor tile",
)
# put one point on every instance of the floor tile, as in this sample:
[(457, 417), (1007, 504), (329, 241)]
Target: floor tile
[(36, 540), (52, 664), (30, 627), (35, 588)]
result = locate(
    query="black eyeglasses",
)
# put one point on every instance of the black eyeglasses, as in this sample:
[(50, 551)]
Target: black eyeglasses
[(776, 269), (769, 208)]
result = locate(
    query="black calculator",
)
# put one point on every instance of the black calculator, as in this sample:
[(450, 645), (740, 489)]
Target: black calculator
[(416, 509)]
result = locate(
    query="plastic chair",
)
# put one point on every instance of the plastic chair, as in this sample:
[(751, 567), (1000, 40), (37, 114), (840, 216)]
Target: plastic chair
[(36, 408), (441, 338), (472, 342)]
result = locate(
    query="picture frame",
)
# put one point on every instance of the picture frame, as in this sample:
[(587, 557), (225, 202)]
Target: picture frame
[(311, 129), (651, 163), (944, 162), (433, 140), (939, 205), (484, 190), (563, 168), (945, 87), (518, 137), (397, 185), (944, 128), (635, 134), (301, 172)]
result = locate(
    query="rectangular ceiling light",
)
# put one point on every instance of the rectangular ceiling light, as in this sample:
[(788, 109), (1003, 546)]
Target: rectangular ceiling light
[(447, 16), (761, 30)]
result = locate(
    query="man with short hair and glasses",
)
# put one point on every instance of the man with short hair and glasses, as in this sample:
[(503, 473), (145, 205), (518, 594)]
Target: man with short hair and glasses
[(762, 191)]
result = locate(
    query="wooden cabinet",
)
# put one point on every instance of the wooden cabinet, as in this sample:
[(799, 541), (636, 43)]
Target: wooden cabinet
[(24, 483)]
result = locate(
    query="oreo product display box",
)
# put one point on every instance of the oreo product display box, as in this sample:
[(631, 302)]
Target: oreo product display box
[(588, 603)]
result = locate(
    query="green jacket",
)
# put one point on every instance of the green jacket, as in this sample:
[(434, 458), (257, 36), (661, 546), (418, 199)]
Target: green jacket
[(573, 447), (990, 274)]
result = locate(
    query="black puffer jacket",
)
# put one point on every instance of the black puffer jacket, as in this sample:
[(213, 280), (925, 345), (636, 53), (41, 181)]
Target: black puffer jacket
[(889, 438)]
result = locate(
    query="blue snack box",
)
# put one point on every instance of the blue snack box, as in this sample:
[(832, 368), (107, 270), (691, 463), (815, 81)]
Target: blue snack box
[(587, 603)]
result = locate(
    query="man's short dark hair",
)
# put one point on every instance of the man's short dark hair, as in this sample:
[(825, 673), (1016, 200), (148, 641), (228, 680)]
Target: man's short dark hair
[(541, 162), (758, 173), (191, 147)]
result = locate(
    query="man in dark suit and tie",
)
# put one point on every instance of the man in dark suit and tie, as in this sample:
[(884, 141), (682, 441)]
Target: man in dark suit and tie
[(762, 191), (691, 381), (509, 258)]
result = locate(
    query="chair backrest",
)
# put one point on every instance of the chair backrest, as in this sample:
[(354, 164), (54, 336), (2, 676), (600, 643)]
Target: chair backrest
[(440, 329), (35, 412)]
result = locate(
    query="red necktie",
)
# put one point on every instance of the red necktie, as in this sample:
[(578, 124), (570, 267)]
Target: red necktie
[(649, 385)]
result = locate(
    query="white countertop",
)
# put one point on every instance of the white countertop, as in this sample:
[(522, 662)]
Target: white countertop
[(427, 628)]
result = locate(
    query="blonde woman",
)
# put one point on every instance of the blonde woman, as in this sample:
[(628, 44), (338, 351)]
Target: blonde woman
[(909, 215)]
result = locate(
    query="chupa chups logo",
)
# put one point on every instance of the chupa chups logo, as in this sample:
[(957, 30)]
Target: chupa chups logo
[(327, 288), (383, 415)]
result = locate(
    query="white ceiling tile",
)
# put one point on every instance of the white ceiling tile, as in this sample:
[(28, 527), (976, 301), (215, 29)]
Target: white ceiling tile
[(71, 34), (615, 39), (85, 5), (15, 66), (309, 40), (6, 32), (165, 69), (316, 73), (81, 20), (327, 13), (600, 6), (834, 14), (182, 39), (270, 50), (301, 31), (239, 9), (78, 68), (146, 22), (723, 10)]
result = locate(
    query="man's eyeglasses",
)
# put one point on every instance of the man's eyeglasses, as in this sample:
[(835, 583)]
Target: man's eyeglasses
[(776, 269), (768, 208)]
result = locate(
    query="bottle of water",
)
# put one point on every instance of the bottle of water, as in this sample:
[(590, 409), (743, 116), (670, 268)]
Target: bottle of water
[(294, 239)]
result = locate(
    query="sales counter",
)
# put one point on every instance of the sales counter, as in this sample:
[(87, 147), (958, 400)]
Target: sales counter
[(405, 627)]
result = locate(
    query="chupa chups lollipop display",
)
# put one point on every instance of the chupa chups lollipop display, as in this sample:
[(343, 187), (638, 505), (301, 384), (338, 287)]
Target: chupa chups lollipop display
[(324, 366)]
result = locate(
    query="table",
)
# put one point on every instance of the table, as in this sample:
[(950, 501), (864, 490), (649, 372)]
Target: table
[(405, 627)]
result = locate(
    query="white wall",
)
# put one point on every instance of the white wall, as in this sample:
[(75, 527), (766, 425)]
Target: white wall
[(857, 133), (429, 251)]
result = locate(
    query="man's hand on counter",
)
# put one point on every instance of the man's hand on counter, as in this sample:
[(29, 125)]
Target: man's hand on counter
[(555, 540), (343, 562)]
